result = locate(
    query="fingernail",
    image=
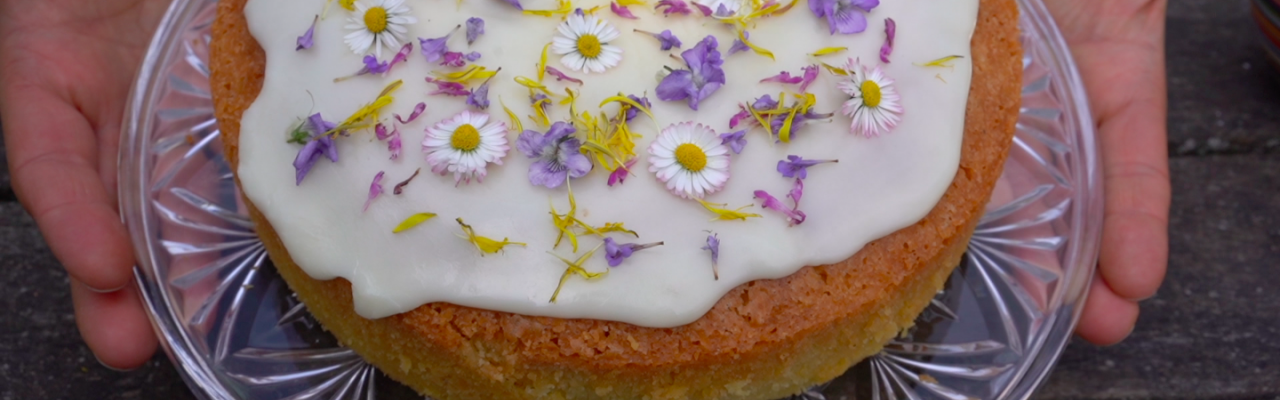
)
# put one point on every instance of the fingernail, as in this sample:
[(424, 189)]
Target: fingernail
[(104, 365), (105, 291)]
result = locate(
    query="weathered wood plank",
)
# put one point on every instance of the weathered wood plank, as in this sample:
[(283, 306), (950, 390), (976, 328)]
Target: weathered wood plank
[(1214, 328)]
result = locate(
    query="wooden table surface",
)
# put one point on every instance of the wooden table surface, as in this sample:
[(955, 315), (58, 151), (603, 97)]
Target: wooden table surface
[(1212, 331)]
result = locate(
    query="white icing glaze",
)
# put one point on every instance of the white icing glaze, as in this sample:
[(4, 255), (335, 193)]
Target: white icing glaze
[(880, 185)]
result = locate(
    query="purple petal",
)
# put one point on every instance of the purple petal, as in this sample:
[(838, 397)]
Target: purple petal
[(372, 66), (846, 20), (644, 101), (865, 5), (702, 93), (890, 30), (394, 145), (713, 244), (668, 7), (621, 11), (401, 56), (674, 86), (810, 74), (736, 140), (560, 76), (475, 28), (375, 190), (819, 7), (308, 39), (739, 45), (472, 56), (380, 131), (796, 193), (783, 77), (797, 167), (516, 4), (453, 59), (706, 11), (448, 88), (615, 253), (434, 49), (531, 143), (721, 11), (765, 102), (417, 111), (619, 175), (794, 217), (737, 118), (573, 160), (479, 98), (560, 130), (668, 40), (545, 172)]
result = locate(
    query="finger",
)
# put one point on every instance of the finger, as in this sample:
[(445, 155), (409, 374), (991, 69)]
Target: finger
[(114, 326), (1107, 319), (56, 175)]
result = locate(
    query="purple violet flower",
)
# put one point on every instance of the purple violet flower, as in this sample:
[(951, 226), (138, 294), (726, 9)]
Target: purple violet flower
[(373, 66), (844, 16), (434, 49), (479, 98), (619, 176), (721, 11), (475, 28), (308, 39), (318, 145), (632, 112), (673, 7), (703, 77), (448, 88), (666, 39), (890, 30), (739, 45), (736, 140), (557, 155), (472, 56), (560, 76), (797, 167), (765, 102), (621, 11), (794, 216), (375, 190), (713, 244), (614, 253)]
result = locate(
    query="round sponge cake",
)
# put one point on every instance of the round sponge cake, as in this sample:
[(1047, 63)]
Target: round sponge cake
[(763, 340)]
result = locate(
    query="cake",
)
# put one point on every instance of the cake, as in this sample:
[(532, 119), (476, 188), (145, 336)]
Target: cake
[(752, 293)]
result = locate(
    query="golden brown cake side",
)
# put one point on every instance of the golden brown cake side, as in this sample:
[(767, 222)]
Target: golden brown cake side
[(765, 339)]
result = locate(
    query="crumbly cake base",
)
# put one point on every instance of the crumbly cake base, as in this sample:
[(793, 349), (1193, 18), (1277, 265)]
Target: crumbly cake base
[(763, 340)]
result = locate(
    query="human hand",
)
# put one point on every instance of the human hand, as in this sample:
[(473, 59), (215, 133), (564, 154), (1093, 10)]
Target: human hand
[(65, 71), (1118, 47)]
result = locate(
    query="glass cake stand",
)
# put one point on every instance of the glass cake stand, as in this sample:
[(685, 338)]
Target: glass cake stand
[(235, 331)]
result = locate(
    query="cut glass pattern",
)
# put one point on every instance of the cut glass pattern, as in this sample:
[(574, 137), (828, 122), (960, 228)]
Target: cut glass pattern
[(236, 331)]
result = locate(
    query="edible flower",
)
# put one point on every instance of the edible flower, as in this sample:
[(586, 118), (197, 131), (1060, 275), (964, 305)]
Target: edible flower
[(739, 45), (479, 97), (690, 158), (668, 7), (843, 16), (516, 4), (399, 188), (556, 153), (735, 140), (890, 29), (873, 105), (448, 88), (308, 39), (560, 76), (713, 245), (375, 190), (798, 167), (393, 145), (475, 28), (723, 8), (794, 216), (412, 221), (584, 43), (614, 253), (724, 214), (434, 49), (642, 101), (666, 39), (417, 112), (796, 192), (575, 267), (319, 144), (810, 73), (619, 176), (484, 244), (621, 11), (703, 77), (464, 145), (458, 59), (377, 24)]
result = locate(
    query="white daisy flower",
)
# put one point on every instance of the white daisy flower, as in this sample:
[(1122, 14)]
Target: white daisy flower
[(584, 42), (464, 145), (874, 104), (690, 159), (377, 24)]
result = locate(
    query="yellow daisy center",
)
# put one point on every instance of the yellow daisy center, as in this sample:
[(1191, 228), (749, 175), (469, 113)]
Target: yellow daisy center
[(376, 19), (589, 46), (870, 93), (691, 157), (465, 138)]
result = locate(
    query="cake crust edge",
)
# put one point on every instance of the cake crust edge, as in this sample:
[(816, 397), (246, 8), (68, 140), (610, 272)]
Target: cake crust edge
[(764, 339)]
